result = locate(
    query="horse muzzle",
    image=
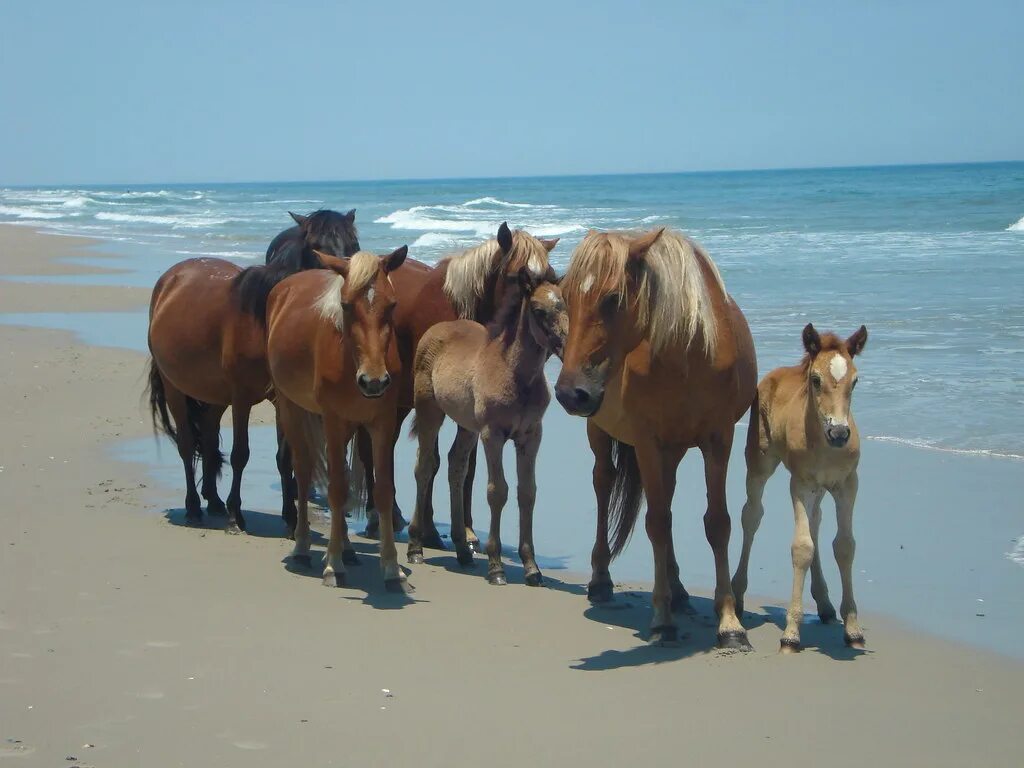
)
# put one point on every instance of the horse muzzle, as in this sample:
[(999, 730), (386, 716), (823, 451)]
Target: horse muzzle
[(579, 397), (837, 435), (371, 386)]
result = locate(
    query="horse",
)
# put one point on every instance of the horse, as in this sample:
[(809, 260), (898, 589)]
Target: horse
[(333, 359), (802, 418), (470, 284), (294, 250), (206, 354), (659, 359), (490, 381)]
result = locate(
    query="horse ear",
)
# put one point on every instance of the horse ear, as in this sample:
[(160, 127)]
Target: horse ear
[(505, 237), (855, 344), (527, 281), (549, 245), (299, 218), (812, 341), (639, 246), (351, 216), (395, 259), (333, 263)]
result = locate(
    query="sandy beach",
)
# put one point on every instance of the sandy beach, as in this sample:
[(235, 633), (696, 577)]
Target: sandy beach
[(127, 639)]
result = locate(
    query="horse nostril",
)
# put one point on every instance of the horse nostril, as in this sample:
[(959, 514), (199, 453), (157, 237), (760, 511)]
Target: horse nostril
[(363, 381), (385, 380), (582, 396)]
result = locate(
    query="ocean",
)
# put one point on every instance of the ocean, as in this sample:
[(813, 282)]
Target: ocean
[(929, 258)]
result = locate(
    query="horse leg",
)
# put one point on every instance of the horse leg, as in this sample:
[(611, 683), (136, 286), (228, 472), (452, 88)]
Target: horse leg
[(178, 407), (659, 531), (289, 490), (364, 448), (497, 496), (758, 472), (289, 419), (526, 490), (717, 529), (819, 589), (213, 459), (239, 458), (844, 547), (680, 597), (467, 501), (803, 553), (384, 499), (339, 548), (458, 458), (428, 421), (600, 588)]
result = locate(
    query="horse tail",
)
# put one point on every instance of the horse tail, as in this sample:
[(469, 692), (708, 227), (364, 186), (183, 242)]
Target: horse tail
[(158, 403), (627, 493), (196, 410)]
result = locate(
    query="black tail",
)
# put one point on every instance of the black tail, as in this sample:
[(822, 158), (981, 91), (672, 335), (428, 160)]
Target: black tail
[(627, 493), (194, 409), (252, 286)]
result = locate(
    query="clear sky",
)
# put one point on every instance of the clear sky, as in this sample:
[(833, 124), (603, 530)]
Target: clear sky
[(116, 91)]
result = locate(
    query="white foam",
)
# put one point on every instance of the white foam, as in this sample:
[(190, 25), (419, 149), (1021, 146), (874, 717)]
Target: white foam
[(929, 446), (1017, 554), (76, 201), (1018, 227), (493, 201), (224, 254), (30, 213), (436, 240), (174, 221), (433, 218)]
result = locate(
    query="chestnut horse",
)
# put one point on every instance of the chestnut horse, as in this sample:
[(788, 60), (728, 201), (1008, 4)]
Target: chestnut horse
[(659, 359), (207, 354), (802, 419), (332, 359), (490, 381)]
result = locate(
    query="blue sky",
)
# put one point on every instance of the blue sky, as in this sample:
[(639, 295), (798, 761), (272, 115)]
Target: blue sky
[(112, 91)]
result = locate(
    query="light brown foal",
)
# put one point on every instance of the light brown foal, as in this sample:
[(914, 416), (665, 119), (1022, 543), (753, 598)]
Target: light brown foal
[(490, 381), (802, 418)]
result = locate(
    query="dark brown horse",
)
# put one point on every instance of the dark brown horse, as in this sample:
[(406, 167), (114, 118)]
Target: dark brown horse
[(333, 359), (207, 354), (659, 360)]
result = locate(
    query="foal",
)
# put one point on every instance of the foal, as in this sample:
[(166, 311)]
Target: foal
[(490, 381), (801, 417)]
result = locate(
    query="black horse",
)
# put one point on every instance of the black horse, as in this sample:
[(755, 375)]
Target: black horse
[(327, 231)]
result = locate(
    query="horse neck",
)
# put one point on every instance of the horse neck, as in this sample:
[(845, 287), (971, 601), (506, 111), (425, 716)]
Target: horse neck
[(524, 357)]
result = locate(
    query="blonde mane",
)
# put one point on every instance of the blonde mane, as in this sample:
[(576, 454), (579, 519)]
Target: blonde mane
[(465, 280), (674, 303), (362, 272)]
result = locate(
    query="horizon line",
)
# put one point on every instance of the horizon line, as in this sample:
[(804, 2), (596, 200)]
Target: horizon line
[(604, 174)]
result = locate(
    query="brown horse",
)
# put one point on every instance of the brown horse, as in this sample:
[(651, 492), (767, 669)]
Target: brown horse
[(207, 354), (332, 359), (802, 419), (471, 285), (490, 381), (659, 359)]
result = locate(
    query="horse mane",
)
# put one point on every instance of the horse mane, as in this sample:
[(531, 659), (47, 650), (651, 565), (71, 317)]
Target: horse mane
[(362, 272), (472, 272), (674, 301), (328, 230), (323, 223), (253, 285)]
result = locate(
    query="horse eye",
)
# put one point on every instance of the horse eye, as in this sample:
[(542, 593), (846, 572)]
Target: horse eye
[(346, 306), (609, 304), (816, 381)]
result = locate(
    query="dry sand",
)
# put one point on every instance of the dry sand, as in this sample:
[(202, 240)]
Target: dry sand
[(158, 645)]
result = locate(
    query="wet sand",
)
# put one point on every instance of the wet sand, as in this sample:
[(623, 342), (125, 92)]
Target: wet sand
[(159, 645)]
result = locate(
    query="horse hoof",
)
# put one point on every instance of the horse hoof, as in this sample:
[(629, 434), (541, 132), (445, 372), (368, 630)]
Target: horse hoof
[(854, 641), (787, 645), (415, 558), (665, 635), (601, 592), (302, 561), (371, 532), (476, 546), (233, 528), (465, 557), (734, 640), (334, 579), (398, 586), (497, 579), (534, 579), (348, 557)]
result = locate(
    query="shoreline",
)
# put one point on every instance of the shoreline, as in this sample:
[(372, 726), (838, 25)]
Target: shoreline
[(163, 645)]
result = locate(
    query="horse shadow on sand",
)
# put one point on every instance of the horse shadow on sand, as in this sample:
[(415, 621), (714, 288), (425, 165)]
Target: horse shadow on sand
[(698, 632)]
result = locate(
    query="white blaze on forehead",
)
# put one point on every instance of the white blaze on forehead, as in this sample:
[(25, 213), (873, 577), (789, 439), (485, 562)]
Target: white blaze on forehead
[(370, 294), (587, 284), (837, 367)]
